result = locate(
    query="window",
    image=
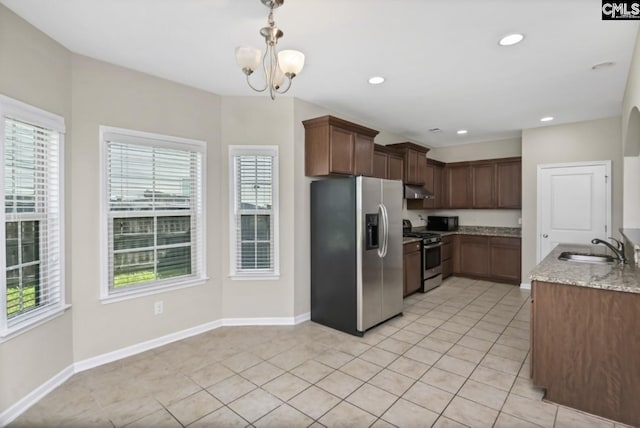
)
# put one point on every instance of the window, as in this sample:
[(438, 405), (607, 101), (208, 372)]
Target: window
[(31, 263), (154, 222), (254, 211)]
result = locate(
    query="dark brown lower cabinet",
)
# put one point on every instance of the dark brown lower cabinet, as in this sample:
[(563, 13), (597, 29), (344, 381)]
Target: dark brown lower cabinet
[(504, 259), (447, 256), (474, 256), (412, 268), (585, 349), (487, 257)]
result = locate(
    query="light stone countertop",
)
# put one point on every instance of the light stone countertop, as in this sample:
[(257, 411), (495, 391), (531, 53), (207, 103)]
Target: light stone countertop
[(502, 232), (408, 240), (616, 277)]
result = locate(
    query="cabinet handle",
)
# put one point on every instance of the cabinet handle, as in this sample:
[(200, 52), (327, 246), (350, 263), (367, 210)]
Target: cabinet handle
[(545, 236)]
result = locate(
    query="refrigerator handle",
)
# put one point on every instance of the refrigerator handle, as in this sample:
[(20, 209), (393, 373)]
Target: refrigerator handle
[(381, 233), (385, 231)]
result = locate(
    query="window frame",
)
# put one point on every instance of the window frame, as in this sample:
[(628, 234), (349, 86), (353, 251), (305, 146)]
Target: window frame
[(254, 150), (153, 140), (17, 110)]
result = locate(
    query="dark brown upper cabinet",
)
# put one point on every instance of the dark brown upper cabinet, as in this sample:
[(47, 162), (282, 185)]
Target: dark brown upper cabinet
[(334, 146), (491, 183), (483, 185), (509, 183), (433, 177), (414, 156), (387, 163), (458, 185)]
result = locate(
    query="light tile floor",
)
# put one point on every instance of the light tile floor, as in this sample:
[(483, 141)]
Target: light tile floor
[(457, 357)]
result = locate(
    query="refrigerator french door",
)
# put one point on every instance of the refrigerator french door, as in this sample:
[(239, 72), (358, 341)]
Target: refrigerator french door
[(356, 252)]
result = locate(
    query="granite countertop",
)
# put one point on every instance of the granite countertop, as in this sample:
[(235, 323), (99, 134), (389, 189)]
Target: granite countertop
[(407, 240), (503, 232), (616, 277)]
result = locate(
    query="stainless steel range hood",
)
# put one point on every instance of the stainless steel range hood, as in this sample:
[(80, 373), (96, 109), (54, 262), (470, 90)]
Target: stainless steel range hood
[(416, 192)]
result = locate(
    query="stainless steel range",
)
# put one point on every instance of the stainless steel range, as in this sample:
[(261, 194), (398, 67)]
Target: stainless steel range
[(431, 255)]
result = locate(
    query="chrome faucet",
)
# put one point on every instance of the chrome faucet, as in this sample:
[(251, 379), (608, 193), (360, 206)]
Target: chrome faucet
[(618, 250)]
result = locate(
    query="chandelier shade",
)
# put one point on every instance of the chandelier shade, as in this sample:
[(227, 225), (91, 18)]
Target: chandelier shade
[(279, 68)]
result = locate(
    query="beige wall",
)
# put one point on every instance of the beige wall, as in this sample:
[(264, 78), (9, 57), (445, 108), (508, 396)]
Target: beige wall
[(36, 70), (477, 151), (630, 106), (258, 120), (577, 142), (467, 152), (631, 142), (631, 198), (104, 94)]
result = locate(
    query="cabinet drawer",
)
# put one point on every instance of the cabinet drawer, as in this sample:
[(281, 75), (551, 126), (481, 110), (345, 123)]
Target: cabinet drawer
[(412, 247), (505, 242)]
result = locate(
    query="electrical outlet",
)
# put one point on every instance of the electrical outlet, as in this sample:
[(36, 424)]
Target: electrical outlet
[(520, 220), (158, 307)]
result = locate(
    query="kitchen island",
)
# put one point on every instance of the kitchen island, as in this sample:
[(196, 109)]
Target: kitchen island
[(585, 334)]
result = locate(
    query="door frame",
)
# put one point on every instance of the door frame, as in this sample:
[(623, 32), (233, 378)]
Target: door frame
[(540, 167)]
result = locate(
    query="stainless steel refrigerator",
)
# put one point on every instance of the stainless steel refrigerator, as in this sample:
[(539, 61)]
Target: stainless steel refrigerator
[(356, 252)]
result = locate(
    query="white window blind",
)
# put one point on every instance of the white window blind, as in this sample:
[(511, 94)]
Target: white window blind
[(32, 269), (155, 229), (254, 224)]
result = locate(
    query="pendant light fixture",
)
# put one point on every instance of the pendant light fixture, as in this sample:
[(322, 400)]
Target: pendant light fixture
[(279, 67)]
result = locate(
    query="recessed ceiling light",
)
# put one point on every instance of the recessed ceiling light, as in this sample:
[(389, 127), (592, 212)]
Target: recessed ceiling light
[(602, 65), (376, 80), (462, 132), (546, 119), (511, 39)]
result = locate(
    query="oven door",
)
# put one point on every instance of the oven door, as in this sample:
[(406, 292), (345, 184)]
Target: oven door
[(432, 257)]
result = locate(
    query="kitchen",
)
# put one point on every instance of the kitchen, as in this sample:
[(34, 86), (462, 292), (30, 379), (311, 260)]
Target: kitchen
[(73, 82)]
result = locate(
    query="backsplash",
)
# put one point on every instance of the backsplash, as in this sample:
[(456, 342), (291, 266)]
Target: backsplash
[(498, 218)]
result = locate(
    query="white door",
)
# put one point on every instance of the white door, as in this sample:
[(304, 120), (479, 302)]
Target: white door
[(574, 204)]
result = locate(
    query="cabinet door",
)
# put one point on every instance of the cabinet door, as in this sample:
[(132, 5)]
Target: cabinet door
[(428, 178), (395, 169), (447, 268), (412, 173), (363, 155), (458, 186), (412, 267), (341, 149), (438, 190), (474, 256), (483, 179), (380, 164), (509, 184), (504, 259), (447, 256)]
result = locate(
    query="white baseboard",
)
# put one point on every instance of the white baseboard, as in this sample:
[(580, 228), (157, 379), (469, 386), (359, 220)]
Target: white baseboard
[(119, 354), (37, 394), (525, 286), (34, 396), (302, 318), (266, 321)]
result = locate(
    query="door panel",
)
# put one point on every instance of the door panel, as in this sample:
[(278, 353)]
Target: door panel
[(380, 161), (369, 192), (573, 205), (392, 262), (341, 151), (363, 155)]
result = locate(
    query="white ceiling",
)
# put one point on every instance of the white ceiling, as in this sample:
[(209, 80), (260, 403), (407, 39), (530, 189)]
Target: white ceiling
[(441, 59)]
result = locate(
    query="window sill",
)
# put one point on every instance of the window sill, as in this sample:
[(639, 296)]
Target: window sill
[(33, 323), (133, 294), (248, 277)]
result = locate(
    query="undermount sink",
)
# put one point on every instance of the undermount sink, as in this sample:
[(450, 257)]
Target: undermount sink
[(586, 258)]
